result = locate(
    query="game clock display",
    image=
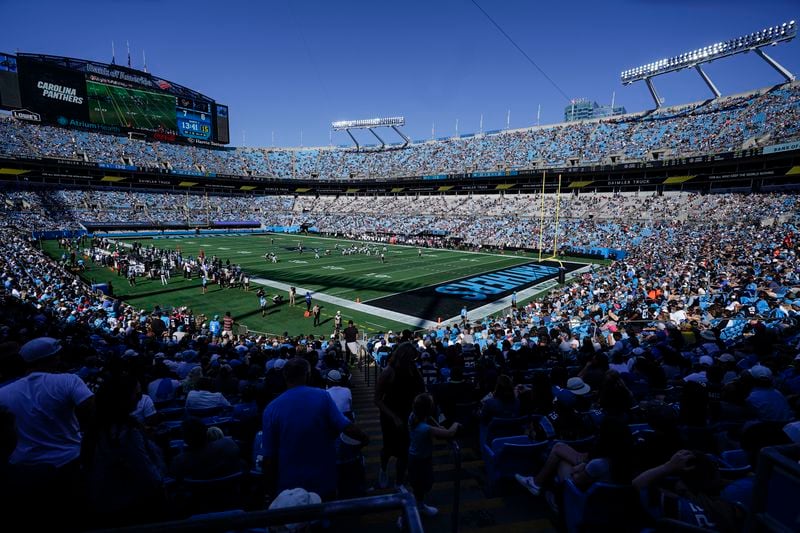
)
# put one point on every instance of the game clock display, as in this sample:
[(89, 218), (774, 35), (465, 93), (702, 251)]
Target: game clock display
[(194, 124)]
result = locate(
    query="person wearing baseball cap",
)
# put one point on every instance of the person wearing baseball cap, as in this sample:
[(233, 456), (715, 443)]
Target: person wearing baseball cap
[(728, 364), (54, 416), (699, 376), (766, 402), (293, 498), (341, 395)]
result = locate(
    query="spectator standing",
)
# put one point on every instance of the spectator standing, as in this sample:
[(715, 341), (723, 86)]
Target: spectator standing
[(300, 429), (342, 396), (227, 325), (423, 429), (395, 391), (55, 421), (351, 341)]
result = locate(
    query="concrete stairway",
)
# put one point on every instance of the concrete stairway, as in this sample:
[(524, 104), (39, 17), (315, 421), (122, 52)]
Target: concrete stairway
[(509, 510)]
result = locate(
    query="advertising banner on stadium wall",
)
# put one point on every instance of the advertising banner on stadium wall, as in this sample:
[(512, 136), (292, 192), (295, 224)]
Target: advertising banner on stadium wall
[(784, 147)]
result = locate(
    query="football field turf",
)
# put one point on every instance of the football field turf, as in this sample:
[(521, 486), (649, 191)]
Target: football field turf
[(388, 293)]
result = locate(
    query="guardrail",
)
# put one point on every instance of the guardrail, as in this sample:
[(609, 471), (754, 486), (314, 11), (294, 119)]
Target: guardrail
[(227, 521), (456, 486)]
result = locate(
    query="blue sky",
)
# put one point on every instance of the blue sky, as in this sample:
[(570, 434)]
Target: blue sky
[(285, 66)]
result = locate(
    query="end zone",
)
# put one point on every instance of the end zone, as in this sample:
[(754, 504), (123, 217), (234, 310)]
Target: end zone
[(446, 299)]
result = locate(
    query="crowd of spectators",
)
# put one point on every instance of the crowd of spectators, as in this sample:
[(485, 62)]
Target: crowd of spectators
[(91, 386), (691, 343), (651, 372), (732, 123), (619, 221)]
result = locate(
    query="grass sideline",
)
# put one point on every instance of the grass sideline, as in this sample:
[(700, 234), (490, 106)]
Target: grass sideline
[(348, 277)]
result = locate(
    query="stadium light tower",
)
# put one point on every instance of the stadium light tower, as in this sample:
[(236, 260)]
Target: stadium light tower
[(694, 59), (370, 124)]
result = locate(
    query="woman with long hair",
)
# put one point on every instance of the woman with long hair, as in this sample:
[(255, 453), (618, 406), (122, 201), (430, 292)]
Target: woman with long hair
[(503, 402), (395, 391)]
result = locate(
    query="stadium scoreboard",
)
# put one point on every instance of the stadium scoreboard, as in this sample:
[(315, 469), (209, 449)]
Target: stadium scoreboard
[(108, 99)]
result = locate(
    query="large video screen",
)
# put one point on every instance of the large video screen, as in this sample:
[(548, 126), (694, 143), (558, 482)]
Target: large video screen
[(130, 108), (58, 95), (70, 97)]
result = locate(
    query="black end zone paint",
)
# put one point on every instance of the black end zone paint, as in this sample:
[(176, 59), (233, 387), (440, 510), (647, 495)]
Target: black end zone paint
[(447, 299)]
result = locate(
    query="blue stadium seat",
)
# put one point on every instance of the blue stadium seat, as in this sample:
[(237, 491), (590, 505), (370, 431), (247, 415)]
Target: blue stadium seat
[(503, 427), (215, 494), (777, 486), (600, 506), (507, 456)]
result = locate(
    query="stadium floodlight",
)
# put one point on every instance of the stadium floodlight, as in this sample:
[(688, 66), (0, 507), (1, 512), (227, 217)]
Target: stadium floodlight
[(370, 124), (694, 59)]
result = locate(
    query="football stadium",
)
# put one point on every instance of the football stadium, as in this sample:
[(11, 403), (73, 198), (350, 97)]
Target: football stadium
[(584, 323)]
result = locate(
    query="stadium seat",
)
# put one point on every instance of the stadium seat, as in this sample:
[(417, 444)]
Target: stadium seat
[(777, 486), (506, 456), (213, 494), (582, 445), (601, 505), (503, 427), (733, 464), (205, 413)]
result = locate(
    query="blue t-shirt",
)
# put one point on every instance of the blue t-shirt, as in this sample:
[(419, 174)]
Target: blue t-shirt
[(300, 431), (769, 405), (421, 439)]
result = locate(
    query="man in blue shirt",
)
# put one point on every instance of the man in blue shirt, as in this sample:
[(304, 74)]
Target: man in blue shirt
[(214, 326), (767, 404), (301, 427)]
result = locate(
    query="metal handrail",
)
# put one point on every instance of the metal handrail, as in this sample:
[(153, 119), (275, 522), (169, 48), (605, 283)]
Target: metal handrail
[(402, 500), (456, 485)]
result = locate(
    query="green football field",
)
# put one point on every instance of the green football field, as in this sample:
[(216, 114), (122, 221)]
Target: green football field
[(351, 278)]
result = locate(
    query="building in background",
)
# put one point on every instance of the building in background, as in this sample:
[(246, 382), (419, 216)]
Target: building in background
[(581, 109)]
